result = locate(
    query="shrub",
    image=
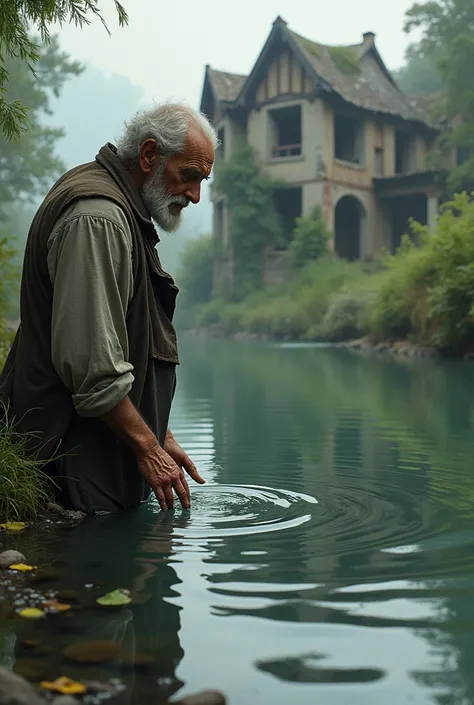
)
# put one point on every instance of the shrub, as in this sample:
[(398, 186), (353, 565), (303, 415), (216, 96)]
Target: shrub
[(451, 285), (310, 239)]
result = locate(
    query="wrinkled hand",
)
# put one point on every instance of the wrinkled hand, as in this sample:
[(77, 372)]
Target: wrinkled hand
[(163, 471)]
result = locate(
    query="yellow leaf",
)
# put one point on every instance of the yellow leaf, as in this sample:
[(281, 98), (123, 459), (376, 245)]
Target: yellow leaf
[(22, 567), (13, 526), (31, 613), (64, 685), (58, 606)]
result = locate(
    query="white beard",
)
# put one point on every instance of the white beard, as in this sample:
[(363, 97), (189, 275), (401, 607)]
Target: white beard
[(157, 202)]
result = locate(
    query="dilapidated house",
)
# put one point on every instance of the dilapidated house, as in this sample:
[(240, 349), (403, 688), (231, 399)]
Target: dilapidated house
[(333, 125)]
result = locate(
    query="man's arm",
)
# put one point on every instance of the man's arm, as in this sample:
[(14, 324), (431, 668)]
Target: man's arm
[(89, 261)]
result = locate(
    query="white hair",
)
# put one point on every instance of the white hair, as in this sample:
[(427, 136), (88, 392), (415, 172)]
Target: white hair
[(168, 124)]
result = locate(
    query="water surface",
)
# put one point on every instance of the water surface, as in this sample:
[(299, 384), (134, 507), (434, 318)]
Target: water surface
[(330, 557)]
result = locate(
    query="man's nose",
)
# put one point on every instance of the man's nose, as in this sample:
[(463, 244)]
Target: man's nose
[(193, 193)]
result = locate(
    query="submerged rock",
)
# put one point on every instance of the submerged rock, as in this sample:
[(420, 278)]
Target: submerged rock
[(67, 595), (46, 575), (14, 690), (31, 669), (207, 697), (64, 700), (8, 558), (92, 651)]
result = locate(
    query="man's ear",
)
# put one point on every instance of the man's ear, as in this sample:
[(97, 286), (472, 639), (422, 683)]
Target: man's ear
[(149, 156)]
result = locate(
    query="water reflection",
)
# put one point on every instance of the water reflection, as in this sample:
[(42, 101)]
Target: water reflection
[(330, 554)]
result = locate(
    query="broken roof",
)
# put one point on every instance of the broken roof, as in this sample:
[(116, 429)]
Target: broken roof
[(226, 85), (356, 73), (359, 76)]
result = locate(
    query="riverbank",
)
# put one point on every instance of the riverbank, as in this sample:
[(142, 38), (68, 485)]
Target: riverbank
[(422, 294)]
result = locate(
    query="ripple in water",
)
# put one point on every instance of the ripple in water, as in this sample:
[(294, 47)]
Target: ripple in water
[(241, 510)]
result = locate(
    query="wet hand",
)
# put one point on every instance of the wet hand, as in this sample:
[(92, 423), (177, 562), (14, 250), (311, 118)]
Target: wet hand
[(163, 475), (182, 459)]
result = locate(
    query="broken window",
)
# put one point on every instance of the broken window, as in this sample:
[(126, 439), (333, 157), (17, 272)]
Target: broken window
[(379, 162), (219, 221), (404, 153), (349, 143), (220, 152), (286, 132), (288, 203), (462, 155)]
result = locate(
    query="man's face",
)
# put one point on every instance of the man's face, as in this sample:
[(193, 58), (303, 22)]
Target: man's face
[(173, 184)]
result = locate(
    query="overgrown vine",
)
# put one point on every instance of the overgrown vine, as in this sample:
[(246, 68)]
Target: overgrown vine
[(252, 217)]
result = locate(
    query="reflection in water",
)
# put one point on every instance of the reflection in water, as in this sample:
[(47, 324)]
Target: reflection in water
[(328, 558)]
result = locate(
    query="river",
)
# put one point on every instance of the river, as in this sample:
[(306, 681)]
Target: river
[(328, 559)]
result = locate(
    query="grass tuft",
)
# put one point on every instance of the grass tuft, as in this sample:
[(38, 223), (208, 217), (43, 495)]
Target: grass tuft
[(24, 487)]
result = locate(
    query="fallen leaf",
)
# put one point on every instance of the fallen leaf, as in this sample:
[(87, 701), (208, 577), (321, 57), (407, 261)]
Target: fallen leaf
[(64, 685), (31, 613), (58, 606), (13, 526), (22, 567), (116, 598)]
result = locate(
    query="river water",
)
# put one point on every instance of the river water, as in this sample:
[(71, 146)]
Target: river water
[(329, 558)]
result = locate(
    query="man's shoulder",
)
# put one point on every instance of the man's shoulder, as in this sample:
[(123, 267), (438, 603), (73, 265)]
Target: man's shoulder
[(99, 207)]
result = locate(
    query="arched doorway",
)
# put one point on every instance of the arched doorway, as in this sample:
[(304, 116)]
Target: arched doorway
[(349, 220)]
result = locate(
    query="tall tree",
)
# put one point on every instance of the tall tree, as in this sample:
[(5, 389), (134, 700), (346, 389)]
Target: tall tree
[(28, 165), (17, 17), (420, 74), (447, 28)]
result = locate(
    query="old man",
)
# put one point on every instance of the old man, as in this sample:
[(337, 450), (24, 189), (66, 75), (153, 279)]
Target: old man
[(91, 374)]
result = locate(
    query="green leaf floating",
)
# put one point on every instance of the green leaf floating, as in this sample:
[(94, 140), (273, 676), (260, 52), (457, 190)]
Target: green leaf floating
[(116, 598)]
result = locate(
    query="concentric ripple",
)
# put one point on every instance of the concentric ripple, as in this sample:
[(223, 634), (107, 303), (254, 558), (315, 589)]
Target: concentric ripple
[(240, 510)]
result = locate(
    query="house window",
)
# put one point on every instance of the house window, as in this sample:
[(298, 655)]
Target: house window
[(379, 162), (289, 204), (349, 141), (286, 132), (462, 155), (405, 154), (220, 152)]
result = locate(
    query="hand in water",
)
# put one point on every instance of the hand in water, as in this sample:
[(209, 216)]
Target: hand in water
[(163, 471), (182, 460)]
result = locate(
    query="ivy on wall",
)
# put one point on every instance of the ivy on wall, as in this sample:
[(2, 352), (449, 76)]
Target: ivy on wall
[(253, 220)]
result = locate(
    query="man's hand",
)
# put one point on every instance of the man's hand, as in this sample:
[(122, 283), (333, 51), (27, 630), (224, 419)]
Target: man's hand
[(181, 458), (163, 475), (162, 468)]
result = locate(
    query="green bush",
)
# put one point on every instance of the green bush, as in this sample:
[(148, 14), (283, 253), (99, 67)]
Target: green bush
[(427, 289), (310, 239), (450, 295)]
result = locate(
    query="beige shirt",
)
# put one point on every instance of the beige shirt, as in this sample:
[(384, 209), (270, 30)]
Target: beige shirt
[(90, 267)]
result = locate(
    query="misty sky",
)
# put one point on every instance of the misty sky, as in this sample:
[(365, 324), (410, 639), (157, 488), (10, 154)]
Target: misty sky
[(167, 44)]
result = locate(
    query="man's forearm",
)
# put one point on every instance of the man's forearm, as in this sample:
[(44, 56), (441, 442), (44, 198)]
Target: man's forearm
[(127, 423)]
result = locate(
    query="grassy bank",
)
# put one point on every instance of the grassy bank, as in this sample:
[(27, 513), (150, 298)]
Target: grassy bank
[(423, 293)]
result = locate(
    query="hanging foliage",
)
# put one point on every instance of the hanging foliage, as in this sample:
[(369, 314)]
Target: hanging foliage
[(252, 217)]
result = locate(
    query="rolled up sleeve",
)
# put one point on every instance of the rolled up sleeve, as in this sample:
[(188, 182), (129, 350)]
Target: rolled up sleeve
[(90, 265)]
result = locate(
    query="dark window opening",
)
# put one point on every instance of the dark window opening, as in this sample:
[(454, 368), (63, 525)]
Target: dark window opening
[(288, 203), (462, 155), (348, 140), (404, 153), (379, 162), (348, 226), (401, 210), (286, 132), (220, 152), (219, 220)]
